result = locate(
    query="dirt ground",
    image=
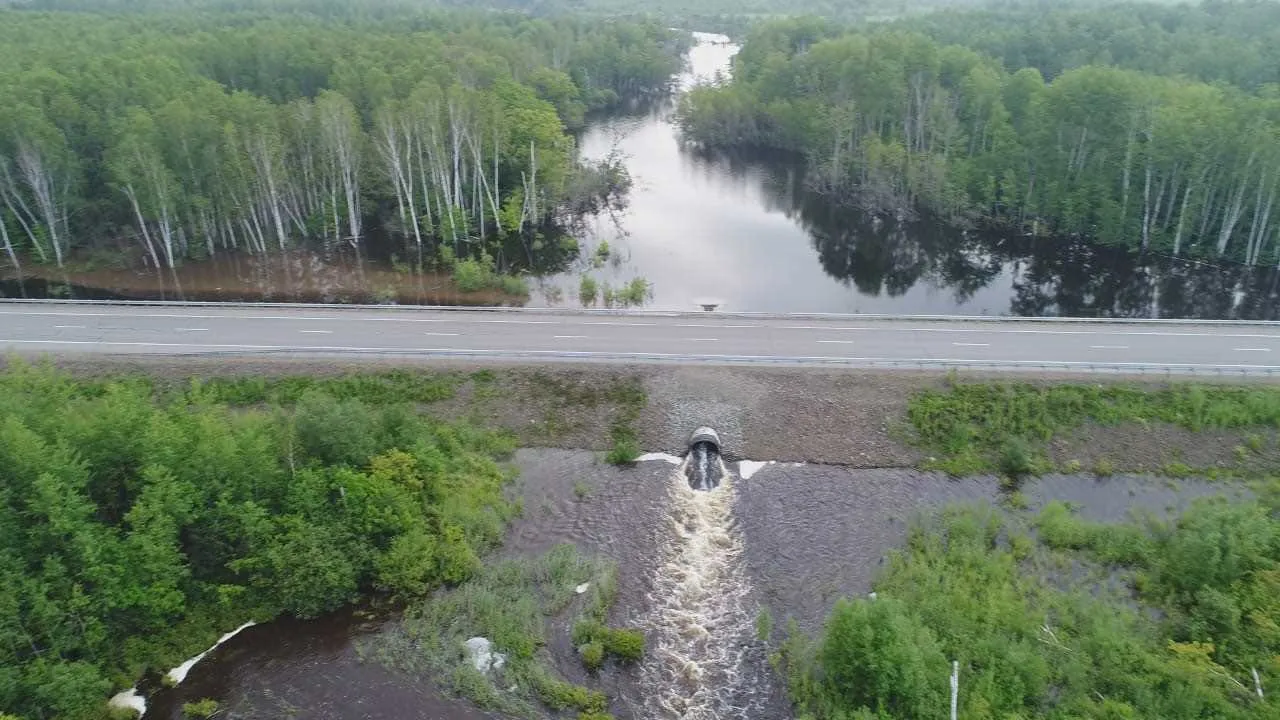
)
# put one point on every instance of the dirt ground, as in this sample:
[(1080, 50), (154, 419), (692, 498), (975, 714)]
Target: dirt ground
[(846, 417)]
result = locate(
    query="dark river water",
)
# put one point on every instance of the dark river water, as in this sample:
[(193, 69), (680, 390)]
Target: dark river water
[(742, 231), (790, 538)]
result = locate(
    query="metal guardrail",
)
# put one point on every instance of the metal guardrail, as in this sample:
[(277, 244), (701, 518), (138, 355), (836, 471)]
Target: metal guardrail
[(887, 317)]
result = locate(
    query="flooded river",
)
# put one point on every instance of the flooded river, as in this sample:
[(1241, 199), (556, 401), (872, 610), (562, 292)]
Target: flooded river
[(695, 569), (742, 231)]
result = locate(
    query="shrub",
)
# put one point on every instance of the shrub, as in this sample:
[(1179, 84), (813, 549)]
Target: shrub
[(588, 290), (472, 275), (625, 644), (592, 655), (200, 709)]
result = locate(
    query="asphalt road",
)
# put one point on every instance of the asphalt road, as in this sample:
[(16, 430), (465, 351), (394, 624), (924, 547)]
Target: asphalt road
[(69, 328)]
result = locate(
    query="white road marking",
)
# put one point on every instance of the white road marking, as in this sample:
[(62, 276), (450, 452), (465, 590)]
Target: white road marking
[(69, 327), (705, 339), (1253, 349), (441, 334), (627, 324), (715, 325), (1108, 347), (321, 332), (647, 355), (971, 344), (837, 342), (515, 322), (569, 337), (191, 329)]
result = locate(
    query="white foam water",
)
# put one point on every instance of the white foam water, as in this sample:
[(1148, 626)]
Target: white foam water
[(178, 674), (699, 617)]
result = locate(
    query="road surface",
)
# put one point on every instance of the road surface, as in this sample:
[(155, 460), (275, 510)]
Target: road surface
[(75, 328)]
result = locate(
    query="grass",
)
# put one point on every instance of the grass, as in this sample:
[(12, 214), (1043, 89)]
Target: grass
[(510, 603), (200, 709), (1005, 427), (1006, 601)]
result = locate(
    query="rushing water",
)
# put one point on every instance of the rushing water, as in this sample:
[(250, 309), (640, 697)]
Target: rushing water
[(742, 230), (695, 566)]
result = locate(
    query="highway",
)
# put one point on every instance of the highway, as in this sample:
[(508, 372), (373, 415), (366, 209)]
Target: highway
[(158, 329)]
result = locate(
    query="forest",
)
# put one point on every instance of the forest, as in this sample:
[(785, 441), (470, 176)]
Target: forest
[(897, 121), (180, 134), (139, 520)]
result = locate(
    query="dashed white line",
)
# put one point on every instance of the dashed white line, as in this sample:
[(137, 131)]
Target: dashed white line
[(626, 324), (318, 332), (707, 325), (705, 339), (191, 329), (971, 344), (1108, 347), (1253, 349), (69, 327), (442, 334), (569, 337), (837, 342)]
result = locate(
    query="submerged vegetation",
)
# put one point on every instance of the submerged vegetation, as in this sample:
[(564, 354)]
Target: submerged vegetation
[(139, 522), (1190, 635), (509, 603)]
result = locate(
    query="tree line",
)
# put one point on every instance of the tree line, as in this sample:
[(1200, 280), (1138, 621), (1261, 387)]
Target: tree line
[(898, 121), (189, 133), (140, 521), (1232, 41)]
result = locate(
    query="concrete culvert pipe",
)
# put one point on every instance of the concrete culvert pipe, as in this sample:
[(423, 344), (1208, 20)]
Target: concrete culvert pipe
[(705, 435)]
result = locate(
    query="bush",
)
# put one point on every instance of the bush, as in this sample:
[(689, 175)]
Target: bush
[(592, 655), (588, 290), (625, 644), (200, 709), (625, 450), (472, 275)]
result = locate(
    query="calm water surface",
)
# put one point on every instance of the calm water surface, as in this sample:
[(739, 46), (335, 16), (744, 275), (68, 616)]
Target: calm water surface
[(743, 231)]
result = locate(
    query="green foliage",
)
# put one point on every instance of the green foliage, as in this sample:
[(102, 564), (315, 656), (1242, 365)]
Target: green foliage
[(509, 603), (588, 291), (1092, 152), (169, 123), (592, 655), (764, 625), (624, 644), (200, 709), (1029, 648), (1004, 426), (156, 519)]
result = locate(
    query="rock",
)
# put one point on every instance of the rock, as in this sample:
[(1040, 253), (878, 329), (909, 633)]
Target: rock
[(483, 658), (582, 588), (871, 595)]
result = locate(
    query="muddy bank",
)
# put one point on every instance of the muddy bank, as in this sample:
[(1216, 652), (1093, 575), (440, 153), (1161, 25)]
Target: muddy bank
[(849, 417)]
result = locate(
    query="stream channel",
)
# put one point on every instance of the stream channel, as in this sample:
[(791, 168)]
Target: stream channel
[(792, 538)]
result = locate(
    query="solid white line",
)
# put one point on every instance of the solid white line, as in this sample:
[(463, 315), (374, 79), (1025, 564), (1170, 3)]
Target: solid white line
[(1108, 347), (1253, 349), (69, 327), (322, 332), (971, 344), (568, 337), (650, 355)]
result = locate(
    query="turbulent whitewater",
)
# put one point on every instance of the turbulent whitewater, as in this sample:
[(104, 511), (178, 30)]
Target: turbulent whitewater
[(701, 666)]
